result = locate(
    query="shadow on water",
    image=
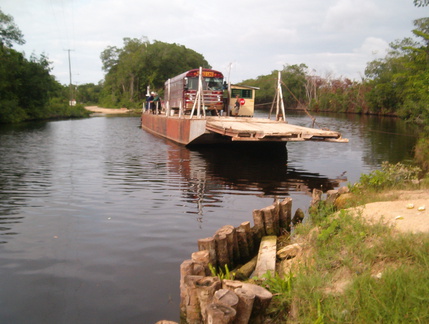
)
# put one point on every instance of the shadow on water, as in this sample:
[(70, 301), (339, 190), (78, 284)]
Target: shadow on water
[(249, 170)]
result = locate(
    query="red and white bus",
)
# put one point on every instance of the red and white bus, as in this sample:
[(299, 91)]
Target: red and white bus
[(181, 91)]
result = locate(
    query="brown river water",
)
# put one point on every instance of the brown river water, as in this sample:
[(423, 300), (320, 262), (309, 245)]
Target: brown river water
[(96, 215)]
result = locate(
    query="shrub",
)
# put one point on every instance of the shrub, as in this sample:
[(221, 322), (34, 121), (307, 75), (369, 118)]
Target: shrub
[(390, 176)]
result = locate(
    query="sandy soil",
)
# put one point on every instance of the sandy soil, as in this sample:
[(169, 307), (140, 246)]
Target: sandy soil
[(403, 213), (97, 109)]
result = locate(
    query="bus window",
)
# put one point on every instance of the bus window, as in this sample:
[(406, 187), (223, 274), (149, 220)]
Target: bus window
[(215, 84), (192, 83)]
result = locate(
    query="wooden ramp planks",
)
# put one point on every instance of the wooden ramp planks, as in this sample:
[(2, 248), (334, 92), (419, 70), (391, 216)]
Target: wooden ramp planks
[(259, 129)]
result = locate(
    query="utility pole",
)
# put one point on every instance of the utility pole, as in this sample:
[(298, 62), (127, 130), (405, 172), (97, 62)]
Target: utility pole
[(70, 74)]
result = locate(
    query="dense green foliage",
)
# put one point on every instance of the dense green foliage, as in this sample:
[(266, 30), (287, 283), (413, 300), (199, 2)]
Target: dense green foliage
[(293, 84), (9, 32), (27, 90), (389, 176), (400, 82), (129, 70), (395, 85), (88, 93)]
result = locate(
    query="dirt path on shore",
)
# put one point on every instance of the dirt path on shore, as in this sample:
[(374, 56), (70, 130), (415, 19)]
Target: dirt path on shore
[(407, 212), (97, 109)]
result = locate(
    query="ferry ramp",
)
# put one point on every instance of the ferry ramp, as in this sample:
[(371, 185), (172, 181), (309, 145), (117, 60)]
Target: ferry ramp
[(259, 129)]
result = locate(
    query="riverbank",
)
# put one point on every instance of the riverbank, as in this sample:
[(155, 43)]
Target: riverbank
[(365, 264), (343, 249)]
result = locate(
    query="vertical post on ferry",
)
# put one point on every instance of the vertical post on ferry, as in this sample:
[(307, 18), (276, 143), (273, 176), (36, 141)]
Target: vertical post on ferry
[(199, 99), (281, 99), (146, 104), (201, 102), (229, 90), (276, 95), (200, 87), (278, 101), (167, 108), (229, 98)]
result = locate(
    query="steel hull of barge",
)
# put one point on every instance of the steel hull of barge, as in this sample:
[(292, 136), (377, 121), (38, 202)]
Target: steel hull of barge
[(209, 130)]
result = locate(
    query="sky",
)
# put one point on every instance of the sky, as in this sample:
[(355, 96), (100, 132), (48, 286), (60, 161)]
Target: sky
[(243, 39)]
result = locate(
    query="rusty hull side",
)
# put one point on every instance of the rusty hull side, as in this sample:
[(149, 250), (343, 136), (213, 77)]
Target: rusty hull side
[(179, 130)]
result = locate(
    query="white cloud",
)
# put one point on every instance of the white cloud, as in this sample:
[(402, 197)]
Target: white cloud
[(373, 46), (351, 16), (340, 36)]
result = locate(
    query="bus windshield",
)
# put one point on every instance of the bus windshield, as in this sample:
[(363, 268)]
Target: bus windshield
[(214, 84)]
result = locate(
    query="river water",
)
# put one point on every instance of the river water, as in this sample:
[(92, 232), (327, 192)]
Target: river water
[(96, 215)]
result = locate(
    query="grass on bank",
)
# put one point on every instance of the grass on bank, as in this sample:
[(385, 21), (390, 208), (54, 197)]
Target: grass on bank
[(354, 271)]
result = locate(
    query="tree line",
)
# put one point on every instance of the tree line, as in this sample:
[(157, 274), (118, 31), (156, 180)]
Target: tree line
[(139, 63), (27, 89), (395, 85)]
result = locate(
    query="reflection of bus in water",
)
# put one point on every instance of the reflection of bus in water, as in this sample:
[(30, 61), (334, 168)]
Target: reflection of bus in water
[(181, 91)]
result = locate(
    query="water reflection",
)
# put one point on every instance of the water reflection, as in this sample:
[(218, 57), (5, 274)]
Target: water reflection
[(210, 172), (24, 174)]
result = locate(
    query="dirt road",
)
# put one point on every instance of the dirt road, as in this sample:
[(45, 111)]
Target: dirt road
[(409, 212), (97, 109)]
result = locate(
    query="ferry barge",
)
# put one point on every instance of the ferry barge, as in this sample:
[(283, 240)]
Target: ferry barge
[(195, 113)]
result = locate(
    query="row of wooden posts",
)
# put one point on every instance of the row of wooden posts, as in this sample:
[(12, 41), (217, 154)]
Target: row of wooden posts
[(207, 299), (237, 245)]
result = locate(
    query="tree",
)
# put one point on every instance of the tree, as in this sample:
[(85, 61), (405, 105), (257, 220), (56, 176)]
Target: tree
[(27, 90), (129, 70), (294, 82), (88, 93), (421, 3), (400, 81), (9, 32), (416, 90), (294, 78)]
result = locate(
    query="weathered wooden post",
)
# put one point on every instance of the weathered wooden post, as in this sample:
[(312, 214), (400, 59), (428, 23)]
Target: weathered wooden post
[(285, 213), (202, 258), (222, 250), (244, 306), (262, 301), (209, 244), (220, 314), (243, 245), (231, 284), (226, 297), (246, 227), (186, 268), (192, 303), (316, 197), (298, 217), (275, 210), (258, 230), (232, 244), (270, 227), (206, 288)]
